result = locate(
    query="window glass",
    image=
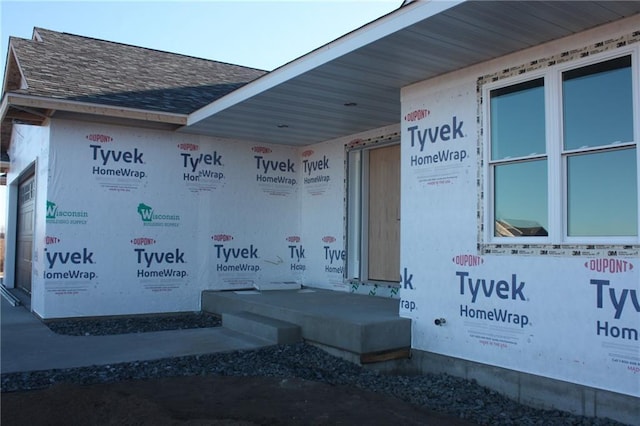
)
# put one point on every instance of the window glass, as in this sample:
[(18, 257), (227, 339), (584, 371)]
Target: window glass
[(517, 120), (602, 194), (520, 199), (598, 104)]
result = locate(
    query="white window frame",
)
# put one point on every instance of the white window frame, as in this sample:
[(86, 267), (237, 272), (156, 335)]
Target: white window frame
[(556, 158)]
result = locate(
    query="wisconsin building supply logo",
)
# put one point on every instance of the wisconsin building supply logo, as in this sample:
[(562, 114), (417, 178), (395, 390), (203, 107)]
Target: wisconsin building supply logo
[(151, 218), (68, 217)]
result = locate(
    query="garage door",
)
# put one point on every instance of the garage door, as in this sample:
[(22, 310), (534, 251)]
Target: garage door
[(24, 243)]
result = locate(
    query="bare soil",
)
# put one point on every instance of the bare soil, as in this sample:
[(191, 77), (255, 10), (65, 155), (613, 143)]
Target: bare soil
[(212, 400)]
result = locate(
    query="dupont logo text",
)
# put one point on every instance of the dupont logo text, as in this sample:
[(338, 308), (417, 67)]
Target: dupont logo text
[(96, 137), (417, 115), (608, 265)]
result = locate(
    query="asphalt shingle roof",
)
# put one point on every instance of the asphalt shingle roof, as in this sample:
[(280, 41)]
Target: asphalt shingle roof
[(71, 67)]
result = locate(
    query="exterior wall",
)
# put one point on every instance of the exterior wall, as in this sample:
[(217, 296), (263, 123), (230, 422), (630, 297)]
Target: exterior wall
[(134, 221), (141, 221), (553, 323), (29, 148), (323, 212)]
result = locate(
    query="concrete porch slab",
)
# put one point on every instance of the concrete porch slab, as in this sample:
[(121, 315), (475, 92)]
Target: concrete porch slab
[(270, 329), (354, 323)]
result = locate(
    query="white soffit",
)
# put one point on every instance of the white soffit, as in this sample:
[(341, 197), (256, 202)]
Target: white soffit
[(303, 102)]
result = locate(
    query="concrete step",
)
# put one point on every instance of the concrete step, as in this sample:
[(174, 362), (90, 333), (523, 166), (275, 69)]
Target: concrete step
[(270, 329), (363, 329)]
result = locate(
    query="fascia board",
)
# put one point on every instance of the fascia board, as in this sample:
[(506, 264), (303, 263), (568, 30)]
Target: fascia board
[(90, 108)]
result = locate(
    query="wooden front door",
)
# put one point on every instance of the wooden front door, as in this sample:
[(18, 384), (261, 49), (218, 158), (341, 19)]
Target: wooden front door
[(384, 214)]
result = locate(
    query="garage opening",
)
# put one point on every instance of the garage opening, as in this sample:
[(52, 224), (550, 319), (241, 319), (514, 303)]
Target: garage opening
[(24, 232)]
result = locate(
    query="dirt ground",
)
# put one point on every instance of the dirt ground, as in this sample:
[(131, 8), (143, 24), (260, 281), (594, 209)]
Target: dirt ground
[(211, 401)]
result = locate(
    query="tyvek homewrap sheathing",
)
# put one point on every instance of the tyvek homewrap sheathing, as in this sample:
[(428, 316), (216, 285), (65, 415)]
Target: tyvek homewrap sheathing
[(142, 221), (29, 153), (324, 209), (558, 314), (323, 214)]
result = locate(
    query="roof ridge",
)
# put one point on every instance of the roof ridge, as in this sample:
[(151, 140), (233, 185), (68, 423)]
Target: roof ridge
[(138, 47)]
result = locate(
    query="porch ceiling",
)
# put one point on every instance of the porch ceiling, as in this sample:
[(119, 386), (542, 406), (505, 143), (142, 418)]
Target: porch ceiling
[(303, 102)]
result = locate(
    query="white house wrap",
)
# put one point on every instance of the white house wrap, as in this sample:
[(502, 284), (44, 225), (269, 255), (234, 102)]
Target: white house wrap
[(482, 170)]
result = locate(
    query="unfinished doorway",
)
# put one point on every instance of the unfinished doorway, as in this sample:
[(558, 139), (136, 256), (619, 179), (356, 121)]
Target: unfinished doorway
[(24, 234), (373, 205)]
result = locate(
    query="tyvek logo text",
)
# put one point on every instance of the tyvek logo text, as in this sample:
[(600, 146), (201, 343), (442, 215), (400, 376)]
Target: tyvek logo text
[(64, 259), (619, 301), (109, 157), (492, 289), (435, 135)]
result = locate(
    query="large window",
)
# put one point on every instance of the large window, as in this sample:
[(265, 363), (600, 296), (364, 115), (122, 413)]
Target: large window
[(562, 157)]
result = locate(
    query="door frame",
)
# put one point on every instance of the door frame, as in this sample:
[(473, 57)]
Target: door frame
[(356, 208)]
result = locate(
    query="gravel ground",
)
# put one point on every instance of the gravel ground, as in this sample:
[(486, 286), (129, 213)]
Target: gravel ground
[(134, 324), (442, 393)]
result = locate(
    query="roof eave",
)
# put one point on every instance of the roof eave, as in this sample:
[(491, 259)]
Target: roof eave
[(388, 24), (38, 103)]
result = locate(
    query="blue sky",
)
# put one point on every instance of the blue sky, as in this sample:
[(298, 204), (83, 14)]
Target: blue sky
[(260, 34)]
